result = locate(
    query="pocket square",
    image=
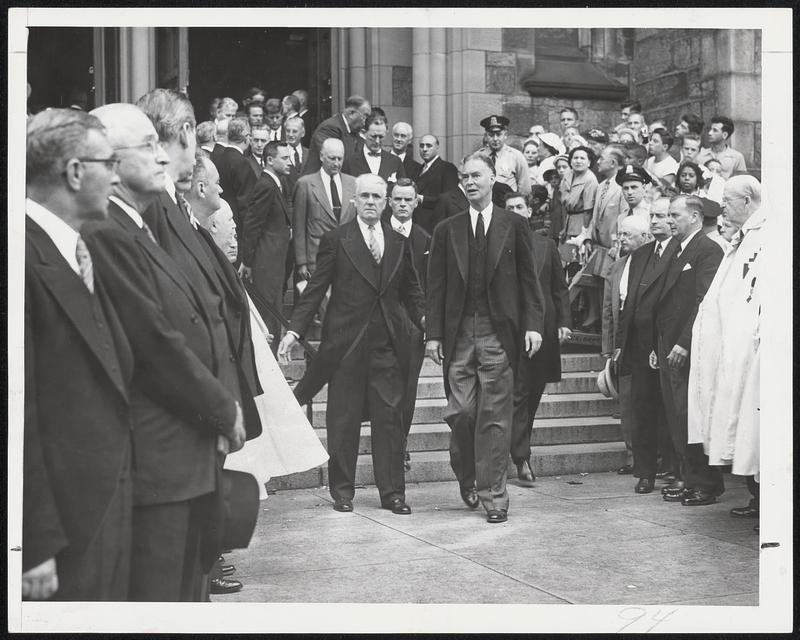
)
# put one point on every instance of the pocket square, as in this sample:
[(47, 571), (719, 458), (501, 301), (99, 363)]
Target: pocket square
[(686, 267), (426, 253)]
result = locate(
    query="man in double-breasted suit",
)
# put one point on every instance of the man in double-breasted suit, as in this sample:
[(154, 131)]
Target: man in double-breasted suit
[(371, 158), (180, 410), (634, 232), (343, 126), (322, 201), (363, 354), (266, 232), (686, 281), (77, 489), (435, 177), (534, 373), (484, 308)]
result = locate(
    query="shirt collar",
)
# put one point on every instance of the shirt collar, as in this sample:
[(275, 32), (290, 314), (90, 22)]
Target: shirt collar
[(63, 236), (326, 179), (346, 126), (132, 213), (368, 156), (396, 225), (275, 178), (688, 238), (169, 187), (365, 227), (487, 216)]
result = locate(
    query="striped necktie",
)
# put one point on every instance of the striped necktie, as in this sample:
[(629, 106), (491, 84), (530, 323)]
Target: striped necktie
[(374, 248), (85, 264)]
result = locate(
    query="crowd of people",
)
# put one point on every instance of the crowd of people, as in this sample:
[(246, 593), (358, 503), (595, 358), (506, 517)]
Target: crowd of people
[(159, 250)]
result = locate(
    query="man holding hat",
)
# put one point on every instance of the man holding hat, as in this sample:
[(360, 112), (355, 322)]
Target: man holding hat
[(509, 163)]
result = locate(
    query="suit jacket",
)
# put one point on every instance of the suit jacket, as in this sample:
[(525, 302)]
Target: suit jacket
[(237, 180), (77, 425), (216, 153), (516, 302), (178, 405), (455, 201), (254, 164), (195, 252), (390, 165), (441, 177), (310, 122), (607, 209), (296, 172), (358, 292), (546, 363), (611, 302), (333, 127), (312, 215), (636, 336), (685, 284), (411, 166), (420, 243)]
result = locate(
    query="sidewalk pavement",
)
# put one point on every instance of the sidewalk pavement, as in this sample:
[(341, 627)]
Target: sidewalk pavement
[(582, 539)]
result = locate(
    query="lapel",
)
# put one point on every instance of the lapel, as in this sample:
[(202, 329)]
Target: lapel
[(498, 231), (459, 239), (280, 195), (676, 264), (392, 255), (225, 272), (322, 198), (356, 249), (71, 295)]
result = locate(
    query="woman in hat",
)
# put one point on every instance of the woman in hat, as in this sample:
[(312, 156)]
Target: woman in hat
[(550, 146)]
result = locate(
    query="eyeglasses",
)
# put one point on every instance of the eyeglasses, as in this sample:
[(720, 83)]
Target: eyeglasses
[(111, 163), (150, 144)]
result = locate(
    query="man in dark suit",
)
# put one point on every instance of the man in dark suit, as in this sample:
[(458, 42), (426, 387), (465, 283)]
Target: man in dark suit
[(77, 490), (686, 281), (183, 413), (255, 150), (307, 114), (371, 158), (343, 126), (534, 373), (485, 307), (636, 342), (235, 172), (402, 202), (273, 117), (436, 177), (322, 201), (364, 351), (196, 254), (402, 147), (633, 234), (298, 154), (455, 201), (266, 232)]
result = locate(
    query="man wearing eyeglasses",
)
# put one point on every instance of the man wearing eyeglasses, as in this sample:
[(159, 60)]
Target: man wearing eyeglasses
[(77, 491)]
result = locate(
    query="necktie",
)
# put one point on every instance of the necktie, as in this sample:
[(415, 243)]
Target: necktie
[(737, 239), (603, 193), (335, 202), (85, 264), (374, 249), (148, 232), (480, 233), (374, 154), (658, 251), (187, 209), (296, 157)]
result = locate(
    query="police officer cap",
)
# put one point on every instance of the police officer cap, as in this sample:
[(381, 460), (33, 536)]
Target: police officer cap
[(631, 172), (495, 122)]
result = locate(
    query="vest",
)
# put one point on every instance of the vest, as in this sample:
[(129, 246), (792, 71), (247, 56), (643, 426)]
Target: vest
[(477, 302)]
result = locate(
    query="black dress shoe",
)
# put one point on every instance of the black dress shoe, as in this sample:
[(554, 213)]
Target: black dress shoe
[(666, 476), (227, 569), (398, 506), (220, 586), (525, 474), (470, 497), (675, 487), (493, 516), (625, 470), (698, 498), (744, 512), (345, 505), (645, 485), (677, 495)]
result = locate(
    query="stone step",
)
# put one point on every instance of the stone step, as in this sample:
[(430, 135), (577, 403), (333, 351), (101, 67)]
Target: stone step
[(568, 405), (555, 460), (546, 432)]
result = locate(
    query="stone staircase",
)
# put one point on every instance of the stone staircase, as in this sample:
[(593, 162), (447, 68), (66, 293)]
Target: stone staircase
[(574, 431)]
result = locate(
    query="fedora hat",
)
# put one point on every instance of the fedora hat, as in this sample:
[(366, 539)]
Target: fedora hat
[(606, 381)]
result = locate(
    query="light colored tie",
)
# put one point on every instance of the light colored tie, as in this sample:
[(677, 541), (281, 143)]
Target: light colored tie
[(149, 232), (374, 249), (188, 210), (85, 264)]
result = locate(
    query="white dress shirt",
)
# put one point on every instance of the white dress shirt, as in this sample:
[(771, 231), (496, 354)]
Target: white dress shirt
[(374, 162), (277, 180), (623, 282), (133, 214), (299, 149), (401, 227), (63, 236), (688, 239), (378, 233), (326, 183), (487, 217)]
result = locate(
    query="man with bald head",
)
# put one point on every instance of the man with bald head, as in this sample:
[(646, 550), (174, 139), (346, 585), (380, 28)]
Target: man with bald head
[(183, 412), (344, 126), (322, 201), (437, 176), (634, 231), (403, 148), (724, 387), (364, 351)]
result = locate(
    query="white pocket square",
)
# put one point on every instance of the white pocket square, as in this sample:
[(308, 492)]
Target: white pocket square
[(686, 267), (426, 253)]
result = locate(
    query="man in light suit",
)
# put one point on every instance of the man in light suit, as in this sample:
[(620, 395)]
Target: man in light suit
[(344, 126), (609, 203), (322, 201), (77, 489), (267, 232), (484, 308), (183, 416), (364, 350), (298, 154), (633, 234), (371, 158), (686, 281), (437, 176)]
